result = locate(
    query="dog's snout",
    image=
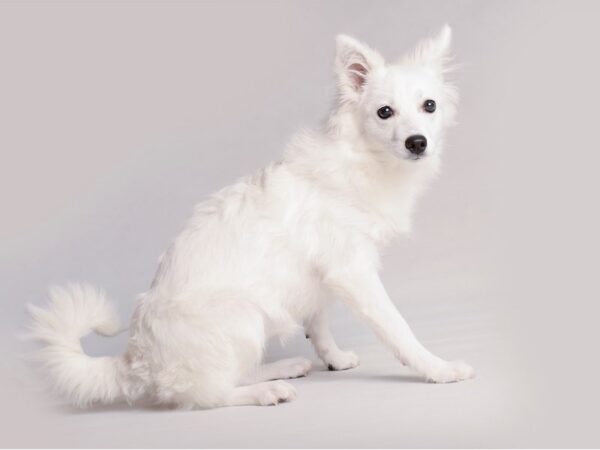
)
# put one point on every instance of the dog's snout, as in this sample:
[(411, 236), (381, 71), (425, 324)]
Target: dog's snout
[(416, 144)]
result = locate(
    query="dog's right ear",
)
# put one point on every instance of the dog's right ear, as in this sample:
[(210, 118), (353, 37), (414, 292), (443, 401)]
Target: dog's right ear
[(436, 51), (354, 61)]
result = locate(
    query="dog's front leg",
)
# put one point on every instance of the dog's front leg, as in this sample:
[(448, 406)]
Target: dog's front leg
[(317, 329), (366, 295)]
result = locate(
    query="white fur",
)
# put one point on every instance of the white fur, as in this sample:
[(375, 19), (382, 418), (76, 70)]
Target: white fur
[(265, 256)]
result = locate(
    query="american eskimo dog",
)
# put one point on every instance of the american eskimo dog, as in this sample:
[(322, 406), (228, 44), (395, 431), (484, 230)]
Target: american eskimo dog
[(266, 255)]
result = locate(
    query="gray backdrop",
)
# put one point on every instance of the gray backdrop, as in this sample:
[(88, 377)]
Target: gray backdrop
[(116, 117)]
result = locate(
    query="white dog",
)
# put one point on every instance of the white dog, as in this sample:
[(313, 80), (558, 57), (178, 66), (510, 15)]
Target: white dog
[(268, 253)]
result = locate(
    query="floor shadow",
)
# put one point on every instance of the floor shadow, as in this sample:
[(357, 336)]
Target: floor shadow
[(394, 378), (346, 375), (356, 374)]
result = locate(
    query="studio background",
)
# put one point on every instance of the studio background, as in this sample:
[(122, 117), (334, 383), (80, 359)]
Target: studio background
[(117, 117)]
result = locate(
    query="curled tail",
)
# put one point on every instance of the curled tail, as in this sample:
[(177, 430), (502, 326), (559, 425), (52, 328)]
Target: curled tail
[(74, 311)]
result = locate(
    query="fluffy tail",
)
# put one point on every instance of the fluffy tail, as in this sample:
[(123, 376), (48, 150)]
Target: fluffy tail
[(73, 312)]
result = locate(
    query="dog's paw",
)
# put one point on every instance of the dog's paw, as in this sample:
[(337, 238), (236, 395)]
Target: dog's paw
[(342, 360), (450, 372), (275, 392)]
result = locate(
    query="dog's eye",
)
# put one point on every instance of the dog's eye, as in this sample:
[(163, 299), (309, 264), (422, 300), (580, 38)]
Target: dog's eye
[(385, 112), (429, 106)]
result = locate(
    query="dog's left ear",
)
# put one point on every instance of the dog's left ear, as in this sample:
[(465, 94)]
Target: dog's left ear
[(354, 62), (436, 51)]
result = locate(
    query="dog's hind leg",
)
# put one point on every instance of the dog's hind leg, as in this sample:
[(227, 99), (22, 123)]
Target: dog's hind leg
[(261, 394), (278, 370), (317, 329)]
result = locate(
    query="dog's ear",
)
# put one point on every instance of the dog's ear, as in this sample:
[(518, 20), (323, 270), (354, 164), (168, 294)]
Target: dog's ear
[(354, 61), (436, 51)]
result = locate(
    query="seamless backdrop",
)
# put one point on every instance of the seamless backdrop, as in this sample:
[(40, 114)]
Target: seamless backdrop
[(116, 117)]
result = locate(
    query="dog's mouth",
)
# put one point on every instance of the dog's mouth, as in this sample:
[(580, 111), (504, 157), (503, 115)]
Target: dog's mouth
[(412, 157), (405, 155)]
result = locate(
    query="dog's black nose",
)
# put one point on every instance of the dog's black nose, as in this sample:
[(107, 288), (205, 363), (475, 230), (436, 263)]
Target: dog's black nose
[(416, 144)]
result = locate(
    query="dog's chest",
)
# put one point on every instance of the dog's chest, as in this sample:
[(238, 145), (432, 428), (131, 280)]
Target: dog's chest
[(379, 214)]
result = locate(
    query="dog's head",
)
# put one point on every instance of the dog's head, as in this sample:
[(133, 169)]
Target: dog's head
[(400, 108)]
